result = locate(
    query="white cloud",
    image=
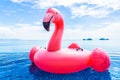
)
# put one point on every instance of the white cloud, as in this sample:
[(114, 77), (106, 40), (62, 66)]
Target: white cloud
[(98, 8), (52, 3), (114, 4), (32, 32), (20, 1), (79, 8), (5, 30), (23, 31), (112, 31), (95, 8), (38, 22), (86, 10)]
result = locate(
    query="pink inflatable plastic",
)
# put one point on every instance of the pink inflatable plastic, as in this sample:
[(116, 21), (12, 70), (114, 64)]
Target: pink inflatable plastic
[(69, 60)]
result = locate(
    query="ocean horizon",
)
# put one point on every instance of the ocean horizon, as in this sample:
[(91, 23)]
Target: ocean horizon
[(15, 63), (19, 45)]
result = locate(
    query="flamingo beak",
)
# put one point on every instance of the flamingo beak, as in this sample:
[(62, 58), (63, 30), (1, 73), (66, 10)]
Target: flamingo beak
[(47, 20), (46, 25)]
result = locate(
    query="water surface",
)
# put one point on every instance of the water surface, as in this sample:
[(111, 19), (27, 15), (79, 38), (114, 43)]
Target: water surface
[(15, 63)]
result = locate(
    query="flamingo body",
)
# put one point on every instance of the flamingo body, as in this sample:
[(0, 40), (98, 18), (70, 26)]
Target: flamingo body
[(62, 61), (69, 60)]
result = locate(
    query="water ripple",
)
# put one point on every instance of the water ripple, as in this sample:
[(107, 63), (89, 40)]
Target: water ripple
[(17, 66)]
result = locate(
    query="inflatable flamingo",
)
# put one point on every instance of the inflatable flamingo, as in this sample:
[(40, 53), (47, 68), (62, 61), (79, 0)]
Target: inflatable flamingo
[(69, 60)]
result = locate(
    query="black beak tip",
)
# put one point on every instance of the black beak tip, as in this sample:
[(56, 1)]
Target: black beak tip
[(46, 25)]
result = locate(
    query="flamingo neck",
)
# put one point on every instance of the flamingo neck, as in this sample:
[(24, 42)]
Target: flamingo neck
[(55, 41)]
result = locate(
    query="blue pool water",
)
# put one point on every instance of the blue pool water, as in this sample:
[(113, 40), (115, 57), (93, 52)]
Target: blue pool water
[(15, 63)]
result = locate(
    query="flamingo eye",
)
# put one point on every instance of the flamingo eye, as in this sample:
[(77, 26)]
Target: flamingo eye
[(56, 13)]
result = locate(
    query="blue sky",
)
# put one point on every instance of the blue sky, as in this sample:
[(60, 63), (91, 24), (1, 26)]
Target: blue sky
[(22, 19)]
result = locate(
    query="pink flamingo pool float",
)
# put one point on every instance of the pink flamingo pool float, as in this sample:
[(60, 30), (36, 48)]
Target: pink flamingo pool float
[(68, 60)]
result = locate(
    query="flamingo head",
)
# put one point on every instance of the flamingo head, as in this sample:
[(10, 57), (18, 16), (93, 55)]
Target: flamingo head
[(52, 16)]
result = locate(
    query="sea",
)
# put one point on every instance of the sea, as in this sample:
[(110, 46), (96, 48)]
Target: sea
[(15, 63)]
